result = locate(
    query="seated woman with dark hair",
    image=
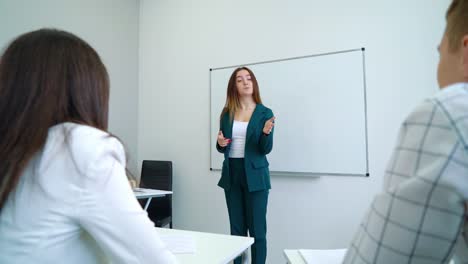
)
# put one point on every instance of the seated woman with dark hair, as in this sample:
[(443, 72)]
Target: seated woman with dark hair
[(64, 195)]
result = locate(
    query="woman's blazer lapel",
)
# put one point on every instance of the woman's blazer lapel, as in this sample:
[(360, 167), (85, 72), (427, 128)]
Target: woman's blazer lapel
[(254, 120)]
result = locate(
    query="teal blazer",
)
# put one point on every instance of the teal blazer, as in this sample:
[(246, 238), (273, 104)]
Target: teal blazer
[(257, 146)]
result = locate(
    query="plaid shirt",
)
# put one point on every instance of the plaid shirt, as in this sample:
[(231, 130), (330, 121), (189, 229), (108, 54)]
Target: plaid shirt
[(420, 218)]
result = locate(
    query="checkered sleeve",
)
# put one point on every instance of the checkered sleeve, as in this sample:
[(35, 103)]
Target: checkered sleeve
[(420, 215)]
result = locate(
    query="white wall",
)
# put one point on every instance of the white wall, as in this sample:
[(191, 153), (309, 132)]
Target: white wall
[(181, 40), (111, 27)]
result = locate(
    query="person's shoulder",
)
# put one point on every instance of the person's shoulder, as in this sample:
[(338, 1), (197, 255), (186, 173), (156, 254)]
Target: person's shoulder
[(451, 91), (422, 112), (89, 146), (224, 113), (452, 100), (84, 137), (444, 109), (265, 109)]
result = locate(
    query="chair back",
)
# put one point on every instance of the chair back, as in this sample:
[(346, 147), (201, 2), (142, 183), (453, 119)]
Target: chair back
[(157, 174)]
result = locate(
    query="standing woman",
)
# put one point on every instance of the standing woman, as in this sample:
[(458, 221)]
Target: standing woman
[(64, 195), (245, 138)]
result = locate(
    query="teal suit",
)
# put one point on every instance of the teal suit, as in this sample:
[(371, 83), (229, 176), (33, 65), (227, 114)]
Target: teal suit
[(257, 146), (246, 182)]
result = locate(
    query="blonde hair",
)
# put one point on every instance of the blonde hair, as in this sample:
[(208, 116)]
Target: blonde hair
[(232, 98), (457, 23)]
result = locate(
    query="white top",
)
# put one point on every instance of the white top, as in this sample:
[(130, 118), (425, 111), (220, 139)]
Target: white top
[(420, 216), (73, 204), (239, 131)]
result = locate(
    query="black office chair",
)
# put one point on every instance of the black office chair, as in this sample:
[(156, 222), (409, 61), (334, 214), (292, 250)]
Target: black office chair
[(157, 174)]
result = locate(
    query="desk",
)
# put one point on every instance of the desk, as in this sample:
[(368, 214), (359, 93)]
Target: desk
[(210, 247), (293, 256), (315, 256), (142, 193)]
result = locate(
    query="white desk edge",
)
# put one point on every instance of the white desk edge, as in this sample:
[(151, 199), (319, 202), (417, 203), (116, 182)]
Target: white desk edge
[(142, 193), (293, 256), (237, 243)]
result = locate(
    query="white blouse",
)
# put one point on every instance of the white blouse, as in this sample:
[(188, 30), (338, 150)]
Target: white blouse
[(239, 132), (73, 204)]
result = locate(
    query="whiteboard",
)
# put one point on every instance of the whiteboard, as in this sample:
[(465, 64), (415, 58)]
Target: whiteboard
[(319, 102)]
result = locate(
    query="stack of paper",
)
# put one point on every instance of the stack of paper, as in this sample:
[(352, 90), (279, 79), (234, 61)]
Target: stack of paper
[(179, 243)]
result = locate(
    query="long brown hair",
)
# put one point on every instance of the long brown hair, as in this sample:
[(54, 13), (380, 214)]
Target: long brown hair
[(47, 77), (232, 98)]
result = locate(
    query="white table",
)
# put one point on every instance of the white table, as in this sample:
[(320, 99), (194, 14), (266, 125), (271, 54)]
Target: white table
[(315, 256), (210, 247), (142, 193), (293, 256)]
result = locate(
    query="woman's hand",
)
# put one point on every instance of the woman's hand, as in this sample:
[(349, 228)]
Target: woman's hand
[(269, 124), (223, 142)]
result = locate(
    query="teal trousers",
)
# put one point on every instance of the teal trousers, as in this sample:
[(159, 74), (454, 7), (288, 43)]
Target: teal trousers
[(247, 211)]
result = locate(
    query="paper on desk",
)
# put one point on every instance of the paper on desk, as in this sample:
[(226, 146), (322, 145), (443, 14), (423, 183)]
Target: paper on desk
[(177, 243), (322, 256)]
